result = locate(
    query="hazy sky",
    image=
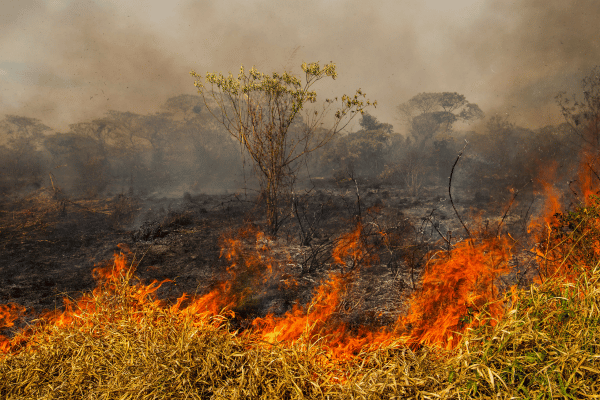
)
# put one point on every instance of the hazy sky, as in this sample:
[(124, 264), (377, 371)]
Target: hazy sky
[(65, 61)]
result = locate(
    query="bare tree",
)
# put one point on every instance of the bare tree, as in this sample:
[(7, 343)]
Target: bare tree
[(259, 110)]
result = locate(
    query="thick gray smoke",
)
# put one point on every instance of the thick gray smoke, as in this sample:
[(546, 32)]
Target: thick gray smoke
[(67, 61)]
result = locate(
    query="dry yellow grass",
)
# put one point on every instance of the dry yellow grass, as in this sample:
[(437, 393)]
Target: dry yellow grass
[(547, 346)]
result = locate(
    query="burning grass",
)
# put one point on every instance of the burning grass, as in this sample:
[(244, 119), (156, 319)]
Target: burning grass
[(460, 338), (114, 345)]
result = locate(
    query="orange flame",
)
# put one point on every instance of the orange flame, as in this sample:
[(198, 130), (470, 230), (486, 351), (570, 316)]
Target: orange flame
[(552, 203), (297, 322), (587, 175), (548, 250), (316, 321), (351, 250), (456, 286), (9, 313)]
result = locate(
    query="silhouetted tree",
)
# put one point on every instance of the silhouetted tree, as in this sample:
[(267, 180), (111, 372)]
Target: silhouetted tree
[(79, 163), (21, 161), (215, 152), (429, 114), (105, 133), (361, 152), (158, 129)]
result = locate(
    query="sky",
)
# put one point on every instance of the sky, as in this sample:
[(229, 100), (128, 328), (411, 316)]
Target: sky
[(68, 61)]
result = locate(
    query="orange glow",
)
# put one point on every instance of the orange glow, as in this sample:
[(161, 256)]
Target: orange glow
[(9, 313), (351, 250), (456, 287), (552, 199), (298, 321), (317, 321), (552, 252), (588, 180)]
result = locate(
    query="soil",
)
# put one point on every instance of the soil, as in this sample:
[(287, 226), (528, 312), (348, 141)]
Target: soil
[(50, 243)]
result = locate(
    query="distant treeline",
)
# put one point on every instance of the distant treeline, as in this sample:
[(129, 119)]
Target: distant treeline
[(183, 144), (180, 144)]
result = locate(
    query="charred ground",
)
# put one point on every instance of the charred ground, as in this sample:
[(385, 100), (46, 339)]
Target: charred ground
[(51, 243)]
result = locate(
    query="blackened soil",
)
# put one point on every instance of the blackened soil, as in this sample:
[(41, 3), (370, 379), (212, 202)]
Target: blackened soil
[(49, 245)]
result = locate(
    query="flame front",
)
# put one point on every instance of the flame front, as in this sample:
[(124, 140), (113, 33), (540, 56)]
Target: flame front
[(456, 286)]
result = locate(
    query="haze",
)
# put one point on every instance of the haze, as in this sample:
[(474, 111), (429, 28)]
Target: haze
[(65, 61)]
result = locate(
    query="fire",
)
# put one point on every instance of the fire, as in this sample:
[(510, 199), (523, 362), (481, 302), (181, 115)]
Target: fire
[(456, 285), (113, 271), (552, 228), (88, 311), (351, 250), (318, 320), (587, 176), (317, 323), (298, 321), (252, 265), (9, 313), (113, 279), (551, 195)]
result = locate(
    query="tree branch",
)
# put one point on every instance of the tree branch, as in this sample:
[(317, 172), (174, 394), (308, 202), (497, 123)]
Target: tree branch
[(450, 187)]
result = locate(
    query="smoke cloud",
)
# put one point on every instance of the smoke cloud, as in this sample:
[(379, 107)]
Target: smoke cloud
[(66, 61)]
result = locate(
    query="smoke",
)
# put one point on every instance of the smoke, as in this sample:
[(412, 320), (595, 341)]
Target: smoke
[(67, 61), (79, 61), (534, 49)]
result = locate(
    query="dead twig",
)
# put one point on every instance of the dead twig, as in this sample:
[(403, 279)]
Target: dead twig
[(516, 192), (359, 211), (450, 187), (447, 240)]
